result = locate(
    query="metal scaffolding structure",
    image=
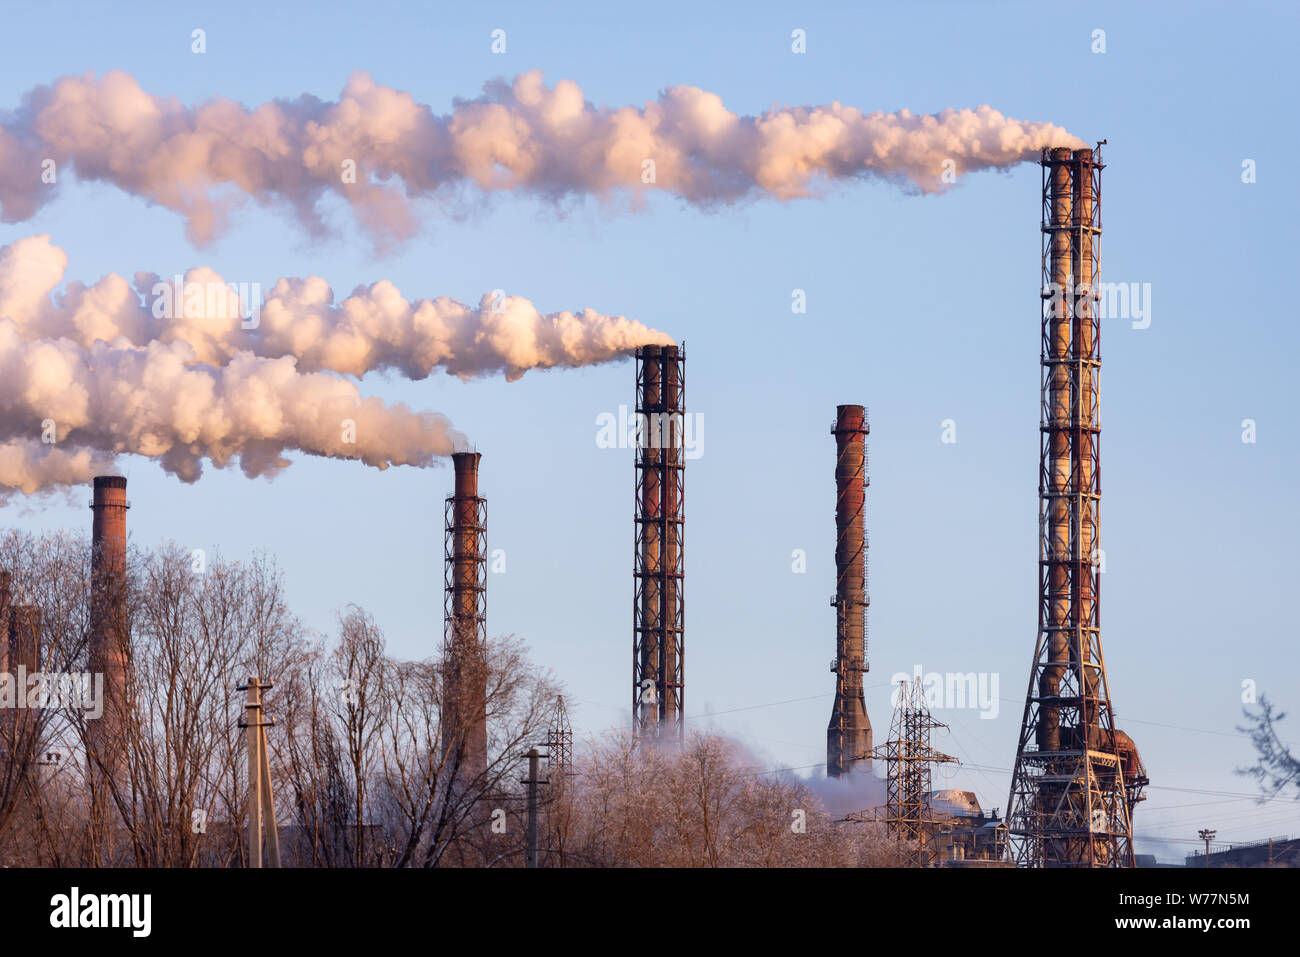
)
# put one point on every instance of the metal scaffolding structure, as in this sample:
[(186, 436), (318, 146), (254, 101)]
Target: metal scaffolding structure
[(908, 757), (559, 738), (658, 647), (1076, 778), (848, 736)]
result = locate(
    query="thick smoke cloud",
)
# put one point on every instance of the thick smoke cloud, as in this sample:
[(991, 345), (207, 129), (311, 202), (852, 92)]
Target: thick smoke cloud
[(373, 329), (156, 401), (520, 135), (30, 465), (142, 367)]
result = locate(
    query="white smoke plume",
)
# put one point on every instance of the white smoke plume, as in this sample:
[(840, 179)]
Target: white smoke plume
[(29, 465), (859, 790), (373, 329), (88, 372), (519, 135), (156, 401)]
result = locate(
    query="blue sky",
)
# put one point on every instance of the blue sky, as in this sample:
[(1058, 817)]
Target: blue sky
[(922, 308)]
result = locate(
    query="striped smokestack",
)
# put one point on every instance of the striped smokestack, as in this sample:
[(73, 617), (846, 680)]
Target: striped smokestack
[(848, 737), (465, 624)]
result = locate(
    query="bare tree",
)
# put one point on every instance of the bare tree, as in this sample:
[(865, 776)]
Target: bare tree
[(45, 597), (637, 803), (369, 753), (1276, 768)]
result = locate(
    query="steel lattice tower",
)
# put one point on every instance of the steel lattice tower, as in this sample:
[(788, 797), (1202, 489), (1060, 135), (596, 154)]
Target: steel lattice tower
[(908, 757), (559, 738), (1075, 777), (658, 648)]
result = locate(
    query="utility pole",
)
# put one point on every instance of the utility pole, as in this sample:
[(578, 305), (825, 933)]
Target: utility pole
[(530, 856), (1206, 835), (261, 803)]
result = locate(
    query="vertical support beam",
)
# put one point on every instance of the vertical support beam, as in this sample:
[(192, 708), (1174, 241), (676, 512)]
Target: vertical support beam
[(670, 669), (1054, 485)]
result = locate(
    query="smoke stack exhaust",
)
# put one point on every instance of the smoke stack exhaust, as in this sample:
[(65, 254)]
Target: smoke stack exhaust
[(1076, 777), (658, 639), (465, 623), (108, 617), (848, 738)]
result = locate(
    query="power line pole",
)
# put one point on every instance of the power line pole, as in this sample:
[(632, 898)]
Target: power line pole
[(261, 803), (1206, 835), (530, 855)]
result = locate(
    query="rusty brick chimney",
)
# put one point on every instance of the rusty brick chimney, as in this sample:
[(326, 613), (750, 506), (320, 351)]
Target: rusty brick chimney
[(848, 737), (109, 634), (464, 725)]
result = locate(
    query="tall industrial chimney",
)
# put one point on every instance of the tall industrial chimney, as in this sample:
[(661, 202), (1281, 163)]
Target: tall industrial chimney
[(465, 624), (658, 616), (848, 738), (1076, 777), (109, 635)]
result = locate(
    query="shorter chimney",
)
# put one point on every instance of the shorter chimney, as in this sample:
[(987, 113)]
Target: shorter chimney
[(109, 634), (848, 737), (465, 629)]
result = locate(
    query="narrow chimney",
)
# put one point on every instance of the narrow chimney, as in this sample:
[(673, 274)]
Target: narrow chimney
[(658, 633), (108, 610), (848, 737), (465, 625)]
